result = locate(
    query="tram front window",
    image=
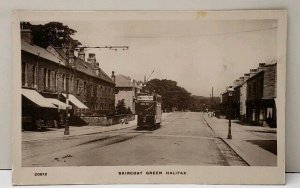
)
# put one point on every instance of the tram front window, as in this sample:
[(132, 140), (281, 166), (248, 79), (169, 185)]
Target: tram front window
[(146, 107)]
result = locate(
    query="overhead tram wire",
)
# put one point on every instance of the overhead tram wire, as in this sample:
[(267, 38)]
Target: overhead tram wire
[(203, 35)]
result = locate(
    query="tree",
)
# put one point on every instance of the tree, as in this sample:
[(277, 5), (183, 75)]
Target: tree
[(53, 33), (129, 110), (121, 107), (172, 94)]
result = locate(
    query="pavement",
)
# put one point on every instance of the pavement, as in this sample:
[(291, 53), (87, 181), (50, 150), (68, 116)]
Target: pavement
[(255, 144), (55, 133)]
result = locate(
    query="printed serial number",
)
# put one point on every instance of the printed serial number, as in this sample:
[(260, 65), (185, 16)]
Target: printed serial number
[(40, 174)]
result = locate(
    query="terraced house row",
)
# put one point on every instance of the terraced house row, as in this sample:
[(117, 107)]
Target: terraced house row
[(50, 76), (254, 96)]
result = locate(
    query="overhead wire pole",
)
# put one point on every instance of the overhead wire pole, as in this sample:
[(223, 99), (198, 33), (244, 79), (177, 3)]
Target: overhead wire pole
[(69, 48)]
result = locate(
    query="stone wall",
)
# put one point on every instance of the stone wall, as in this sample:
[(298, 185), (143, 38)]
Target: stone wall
[(107, 121)]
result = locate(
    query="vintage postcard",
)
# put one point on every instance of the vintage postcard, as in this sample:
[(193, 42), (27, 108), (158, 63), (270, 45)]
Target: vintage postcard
[(177, 97)]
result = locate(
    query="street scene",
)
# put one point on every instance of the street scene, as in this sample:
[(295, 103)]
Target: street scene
[(155, 92), (185, 138)]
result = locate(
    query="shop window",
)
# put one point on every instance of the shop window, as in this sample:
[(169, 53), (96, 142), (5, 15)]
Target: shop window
[(269, 113)]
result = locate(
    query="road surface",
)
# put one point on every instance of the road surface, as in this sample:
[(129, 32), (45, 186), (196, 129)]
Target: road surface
[(183, 139)]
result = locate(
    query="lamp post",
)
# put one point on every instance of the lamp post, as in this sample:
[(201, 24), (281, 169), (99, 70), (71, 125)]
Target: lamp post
[(230, 91), (67, 130)]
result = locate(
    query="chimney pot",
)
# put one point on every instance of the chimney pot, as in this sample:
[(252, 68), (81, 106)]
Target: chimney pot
[(261, 64)]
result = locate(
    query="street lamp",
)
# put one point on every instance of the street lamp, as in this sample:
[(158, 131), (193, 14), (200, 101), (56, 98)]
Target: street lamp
[(230, 91)]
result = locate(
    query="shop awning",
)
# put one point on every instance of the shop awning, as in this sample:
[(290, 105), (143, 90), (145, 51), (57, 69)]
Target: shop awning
[(75, 101), (37, 98), (59, 104)]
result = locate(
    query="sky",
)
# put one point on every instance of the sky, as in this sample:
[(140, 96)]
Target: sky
[(198, 54)]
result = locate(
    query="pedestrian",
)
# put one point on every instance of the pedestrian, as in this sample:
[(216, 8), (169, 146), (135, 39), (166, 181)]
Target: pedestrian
[(122, 121)]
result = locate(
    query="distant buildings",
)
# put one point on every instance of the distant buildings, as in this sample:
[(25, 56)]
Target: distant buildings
[(48, 75), (254, 97), (127, 89)]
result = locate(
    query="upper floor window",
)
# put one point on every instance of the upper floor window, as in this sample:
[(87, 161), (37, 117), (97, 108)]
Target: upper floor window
[(49, 78), (24, 74), (34, 76), (64, 82), (46, 78), (77, 86), (84, 87)]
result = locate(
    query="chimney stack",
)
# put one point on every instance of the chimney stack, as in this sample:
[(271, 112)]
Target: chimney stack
[(81, 54), (235, 83), (71, 58), (253, 72), (261, 67), (241, 80), (262, 64), (92, 58), (26, 33), (113, 77), (246, 76)]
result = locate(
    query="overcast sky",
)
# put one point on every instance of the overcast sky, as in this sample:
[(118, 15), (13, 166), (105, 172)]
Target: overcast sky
[(197, 54)]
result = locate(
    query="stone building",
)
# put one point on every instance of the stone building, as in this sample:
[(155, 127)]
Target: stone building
[(243, 97), (51, 76), (261, 95), (128, 89), (254, 96)]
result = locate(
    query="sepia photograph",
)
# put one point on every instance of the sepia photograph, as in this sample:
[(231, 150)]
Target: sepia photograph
[(149, 90)]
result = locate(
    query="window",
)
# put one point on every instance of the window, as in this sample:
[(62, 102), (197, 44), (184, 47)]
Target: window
[(101, 91), (97, 94), (70, 83), (34, 76), (48, 79), (45, 78), (269, 113), (84, 87), (24, 74), (55, 81), (77, 86), (64, 83)]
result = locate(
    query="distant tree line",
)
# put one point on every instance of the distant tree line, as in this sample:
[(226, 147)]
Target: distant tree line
[(178, 98)]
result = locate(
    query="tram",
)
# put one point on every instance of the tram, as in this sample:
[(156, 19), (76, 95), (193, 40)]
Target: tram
[(148, 109)]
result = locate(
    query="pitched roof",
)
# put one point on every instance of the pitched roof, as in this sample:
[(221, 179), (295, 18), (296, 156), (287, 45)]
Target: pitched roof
[(81, 65), (125, 81), (39, 51)]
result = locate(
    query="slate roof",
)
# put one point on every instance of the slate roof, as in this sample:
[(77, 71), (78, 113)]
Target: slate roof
[(36, 50), (81, 65)]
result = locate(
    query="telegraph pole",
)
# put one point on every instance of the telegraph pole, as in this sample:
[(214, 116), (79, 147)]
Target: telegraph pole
[(212, 97)]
